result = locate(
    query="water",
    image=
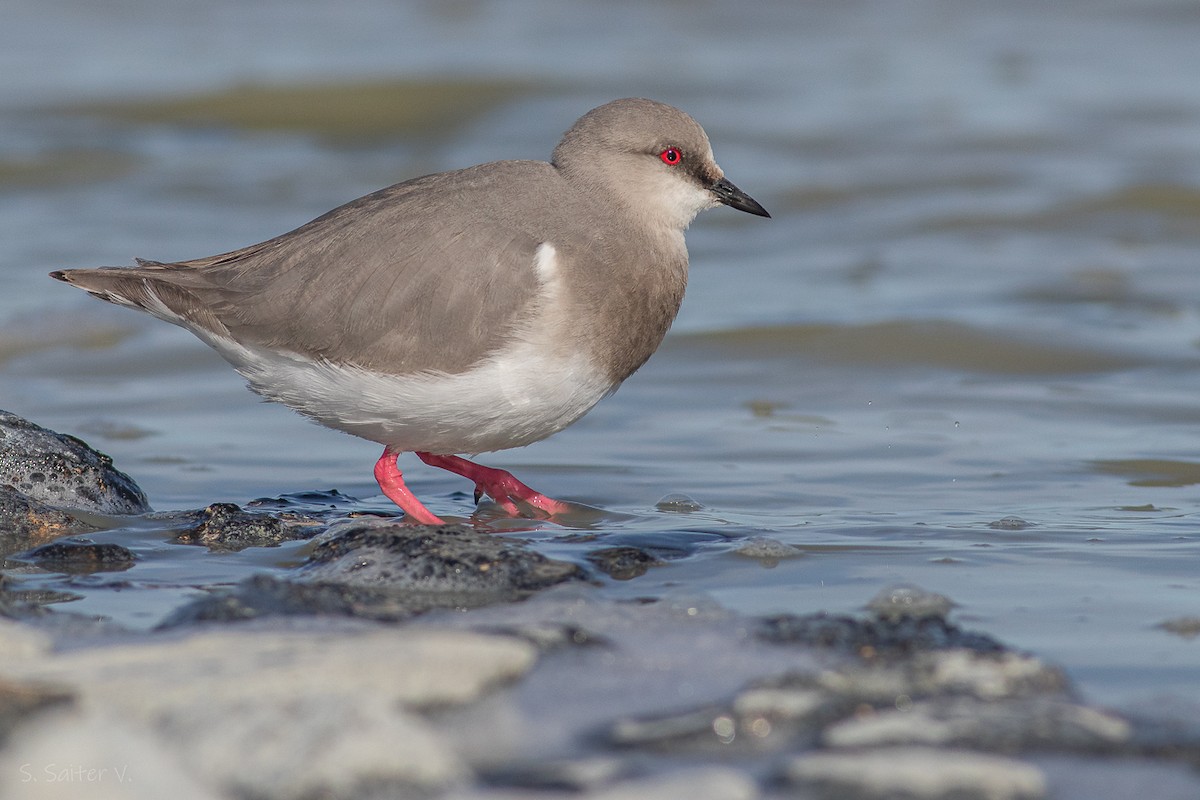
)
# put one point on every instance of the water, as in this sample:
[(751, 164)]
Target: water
[(961, 355)]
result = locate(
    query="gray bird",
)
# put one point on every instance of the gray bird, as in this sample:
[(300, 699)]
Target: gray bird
[(462, 312)]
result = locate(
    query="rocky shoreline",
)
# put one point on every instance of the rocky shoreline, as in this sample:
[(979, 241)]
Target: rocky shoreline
[(448, 662)]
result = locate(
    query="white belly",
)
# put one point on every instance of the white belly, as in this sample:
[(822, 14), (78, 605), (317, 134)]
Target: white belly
[(512, 400)]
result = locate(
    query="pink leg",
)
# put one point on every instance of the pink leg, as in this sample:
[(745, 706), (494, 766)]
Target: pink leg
[(497, 484), (392, 483)]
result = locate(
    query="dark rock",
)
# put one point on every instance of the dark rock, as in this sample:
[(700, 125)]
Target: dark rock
[(623, 563), (81, 558), (266, 595), (225, 527), (25, 522), (387, 571), (454, 562), (917, 677), (17, 604), (886, 637), (62, 471)]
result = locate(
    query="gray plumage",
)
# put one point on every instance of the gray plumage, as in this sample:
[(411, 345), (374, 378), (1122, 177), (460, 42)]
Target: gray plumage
[(438, 275)]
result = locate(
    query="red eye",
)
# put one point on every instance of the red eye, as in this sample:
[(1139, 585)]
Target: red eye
[(671, 156)]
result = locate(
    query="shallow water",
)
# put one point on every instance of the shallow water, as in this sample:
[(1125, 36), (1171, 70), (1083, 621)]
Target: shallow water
[(961, 355)]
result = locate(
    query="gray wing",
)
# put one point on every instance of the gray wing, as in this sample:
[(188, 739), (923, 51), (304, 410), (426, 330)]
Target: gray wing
[(427, 274)]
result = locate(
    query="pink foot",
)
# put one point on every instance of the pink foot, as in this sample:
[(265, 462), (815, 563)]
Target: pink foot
[(497, 484), (392, 483)]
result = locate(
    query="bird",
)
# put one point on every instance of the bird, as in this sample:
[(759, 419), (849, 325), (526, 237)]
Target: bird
[(461, 312)]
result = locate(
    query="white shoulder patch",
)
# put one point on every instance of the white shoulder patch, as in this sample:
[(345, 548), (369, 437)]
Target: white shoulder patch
[(545, 260)]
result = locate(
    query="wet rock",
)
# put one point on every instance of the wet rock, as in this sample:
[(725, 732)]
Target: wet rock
[(1013, 726), (224, 527), (26, 522), (623, 563), (266, 595), (766, 551), (81, 558), (387, 572), (885, 667), (894, 636), (678, 503), (95, 755), (62, 471), (279, 714), (897, 683), (915, 773), (449, 565), (905, 601), (17, 604), (1010, 524)]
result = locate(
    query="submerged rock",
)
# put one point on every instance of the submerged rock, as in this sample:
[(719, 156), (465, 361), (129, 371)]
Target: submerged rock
[(261, 713), (451, 561), (63, 472), (266, 595), (892, 681), (388, 571), (895, 635), (623, 563), (898, 602), (26, 522), (81, 558), (224, 527)]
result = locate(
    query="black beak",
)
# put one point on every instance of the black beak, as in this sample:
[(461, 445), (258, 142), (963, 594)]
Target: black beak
[(734, 197)]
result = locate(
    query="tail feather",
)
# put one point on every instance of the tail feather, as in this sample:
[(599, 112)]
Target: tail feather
[(142, 289)]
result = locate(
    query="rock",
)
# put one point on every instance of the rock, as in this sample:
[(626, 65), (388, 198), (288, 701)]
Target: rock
[(678, 503), (886, 665), (899, 602), (81, 558), (915, 773), (266, 595), (623, 563), (1017, 725), (767, 551), (223, 527), (895, 636), (1009, 524), (95, 755), (386, 571), (19, 604), (452, 563), (62, 471), (291, 714), (26, 522)]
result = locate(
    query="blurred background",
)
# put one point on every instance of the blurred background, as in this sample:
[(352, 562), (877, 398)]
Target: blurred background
[(963, 353)]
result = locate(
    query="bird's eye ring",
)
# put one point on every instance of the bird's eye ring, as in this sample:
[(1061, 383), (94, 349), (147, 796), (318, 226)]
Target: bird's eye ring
[(671, 156)]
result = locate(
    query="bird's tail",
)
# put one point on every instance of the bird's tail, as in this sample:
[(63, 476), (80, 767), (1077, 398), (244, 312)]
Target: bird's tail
[(146, 287)]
